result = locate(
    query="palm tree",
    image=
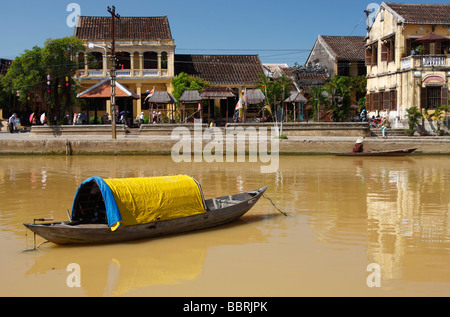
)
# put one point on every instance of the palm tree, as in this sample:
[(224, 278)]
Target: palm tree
[(318, 97), (340, 91)]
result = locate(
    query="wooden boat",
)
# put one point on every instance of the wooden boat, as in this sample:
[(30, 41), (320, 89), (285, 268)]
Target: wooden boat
[(379, 153), (217, 211)]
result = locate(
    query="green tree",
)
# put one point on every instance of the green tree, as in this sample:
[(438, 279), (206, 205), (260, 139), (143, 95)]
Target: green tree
[(28, 76), (24, 76), (59, 58), (184, 82), (276, 91), (319, 97), (340, 93), (413, 115)]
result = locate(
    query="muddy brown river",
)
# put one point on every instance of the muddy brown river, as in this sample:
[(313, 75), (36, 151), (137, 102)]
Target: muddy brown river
[(354, 227)]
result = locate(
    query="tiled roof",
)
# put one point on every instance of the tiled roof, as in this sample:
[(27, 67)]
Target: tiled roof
[(287, 71), (103, 90), (126, 28), (161, 97), (273, 67), (422, 13), (305, 80), (346, 47), (190, 96), (217, 92), (296, 97), (221, 69)]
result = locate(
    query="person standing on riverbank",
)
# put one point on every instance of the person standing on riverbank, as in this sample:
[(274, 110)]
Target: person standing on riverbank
[(12, 122), (384, 125)]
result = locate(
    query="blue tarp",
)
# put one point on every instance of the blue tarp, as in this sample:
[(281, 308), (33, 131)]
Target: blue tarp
[(112, 211)]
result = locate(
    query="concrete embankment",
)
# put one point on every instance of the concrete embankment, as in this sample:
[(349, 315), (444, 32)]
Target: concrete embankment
[(27, 144)]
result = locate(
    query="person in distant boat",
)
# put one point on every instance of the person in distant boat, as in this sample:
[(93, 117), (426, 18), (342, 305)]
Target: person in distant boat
[(358, 148)]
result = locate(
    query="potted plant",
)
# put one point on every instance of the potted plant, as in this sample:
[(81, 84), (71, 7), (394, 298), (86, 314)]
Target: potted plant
[(420, 49), (438, 113), (403, 54), (413, 115)]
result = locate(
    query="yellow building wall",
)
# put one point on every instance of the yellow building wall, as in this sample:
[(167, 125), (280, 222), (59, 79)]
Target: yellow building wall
[(390, 75)]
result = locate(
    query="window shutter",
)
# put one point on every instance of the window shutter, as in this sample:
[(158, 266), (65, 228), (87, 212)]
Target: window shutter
[(423, 98), (375, 54), (384, 52), (438, 48), (408, 47), (368, 56), (386, 101), (393, 99), (375, 101), (444, 95), (369, 102), (391, 50)]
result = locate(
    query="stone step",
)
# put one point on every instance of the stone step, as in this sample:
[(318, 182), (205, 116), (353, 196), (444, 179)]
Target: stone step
[(390, 132)]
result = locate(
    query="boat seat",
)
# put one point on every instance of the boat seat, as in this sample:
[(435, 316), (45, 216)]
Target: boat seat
[(223, 202)]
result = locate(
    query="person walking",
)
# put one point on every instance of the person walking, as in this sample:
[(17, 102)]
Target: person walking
[(12, 122)]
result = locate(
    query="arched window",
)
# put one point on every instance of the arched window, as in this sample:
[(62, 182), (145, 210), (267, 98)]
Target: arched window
[(123, 60), (96, 60), (164, 60), (150, 60), (80, 60)]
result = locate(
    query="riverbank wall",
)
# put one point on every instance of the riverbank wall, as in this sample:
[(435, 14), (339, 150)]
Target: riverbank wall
[(27, 144)]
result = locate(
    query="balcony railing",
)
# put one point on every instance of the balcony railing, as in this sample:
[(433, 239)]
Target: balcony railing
[(123, 73), (92, 73), (95, 73), (148, 73), (433, 60), (425, 61)]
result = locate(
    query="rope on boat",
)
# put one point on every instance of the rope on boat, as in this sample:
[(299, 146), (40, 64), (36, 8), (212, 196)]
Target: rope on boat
[(264, 195)]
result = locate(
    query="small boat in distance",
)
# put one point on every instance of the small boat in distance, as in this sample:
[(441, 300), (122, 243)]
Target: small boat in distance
[(117, 210), (378, 153)]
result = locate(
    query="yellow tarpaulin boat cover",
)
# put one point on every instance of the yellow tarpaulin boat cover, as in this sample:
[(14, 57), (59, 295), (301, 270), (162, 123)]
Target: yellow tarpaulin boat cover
[(131, 201)]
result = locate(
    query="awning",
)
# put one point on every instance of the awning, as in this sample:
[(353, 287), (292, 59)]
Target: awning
[(103, 90), (432, 38), (132, 201)]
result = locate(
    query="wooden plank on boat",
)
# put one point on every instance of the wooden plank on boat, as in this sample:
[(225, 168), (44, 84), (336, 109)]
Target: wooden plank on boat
[(379, 153)]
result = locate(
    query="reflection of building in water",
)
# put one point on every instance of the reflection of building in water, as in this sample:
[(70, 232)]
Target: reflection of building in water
[(400, 220)]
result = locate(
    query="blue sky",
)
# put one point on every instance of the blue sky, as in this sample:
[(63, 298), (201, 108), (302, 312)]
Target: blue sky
[(282, 31)]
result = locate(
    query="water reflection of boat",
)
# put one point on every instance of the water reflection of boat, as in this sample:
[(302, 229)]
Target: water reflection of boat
[(114, 270), (115, 210), (378, 153)]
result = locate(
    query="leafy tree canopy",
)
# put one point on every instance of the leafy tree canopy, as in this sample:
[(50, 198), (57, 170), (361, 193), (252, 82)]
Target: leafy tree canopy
[(28, 74), (277, 90), (184, 82)]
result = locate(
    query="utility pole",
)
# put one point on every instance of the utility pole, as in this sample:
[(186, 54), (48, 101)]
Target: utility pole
[(113, 70)]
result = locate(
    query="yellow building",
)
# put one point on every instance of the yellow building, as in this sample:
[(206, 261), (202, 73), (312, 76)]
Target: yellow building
[(146, 60), (144, 56), (341, 55), (407, 59)]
